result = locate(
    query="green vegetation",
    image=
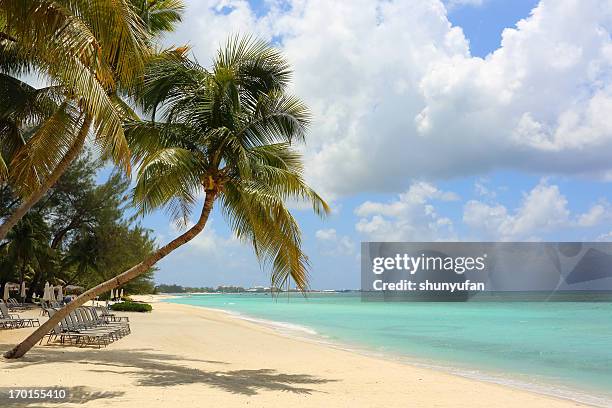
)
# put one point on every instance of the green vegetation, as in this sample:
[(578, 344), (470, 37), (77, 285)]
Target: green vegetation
[(132, 307), (78, 234)]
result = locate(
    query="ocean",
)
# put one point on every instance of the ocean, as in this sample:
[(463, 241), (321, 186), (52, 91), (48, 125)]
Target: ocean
[(559, 348)]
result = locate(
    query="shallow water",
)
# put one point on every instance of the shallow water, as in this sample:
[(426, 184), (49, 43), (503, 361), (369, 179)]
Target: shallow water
[(563, 348)]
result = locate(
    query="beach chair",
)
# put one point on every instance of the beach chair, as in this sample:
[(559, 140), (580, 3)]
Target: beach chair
[(12, 303), (103, 313), (5, 314), (89, 314), (77, 324), (78, 321), (9, 324), (80, 337)]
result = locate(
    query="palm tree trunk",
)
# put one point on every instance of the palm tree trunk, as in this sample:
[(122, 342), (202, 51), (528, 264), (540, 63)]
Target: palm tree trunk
[(68, 158), (119, 280)]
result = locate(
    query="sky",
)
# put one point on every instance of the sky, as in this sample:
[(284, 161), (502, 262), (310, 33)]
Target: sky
[(461, 120)]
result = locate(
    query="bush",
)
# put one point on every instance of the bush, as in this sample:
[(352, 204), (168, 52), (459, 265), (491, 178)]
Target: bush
[(132, 307)]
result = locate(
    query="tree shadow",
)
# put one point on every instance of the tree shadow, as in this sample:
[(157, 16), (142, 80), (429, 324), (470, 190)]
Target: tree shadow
[(153, 369), (78, 395)]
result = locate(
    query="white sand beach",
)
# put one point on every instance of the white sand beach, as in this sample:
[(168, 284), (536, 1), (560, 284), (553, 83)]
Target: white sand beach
[(185, 356)]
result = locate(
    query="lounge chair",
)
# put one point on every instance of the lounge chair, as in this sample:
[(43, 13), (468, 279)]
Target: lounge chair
[(77, 323), (12, 303), (9, 324), (103, 313), (90, 315), (84, 327), (80, 337), (17, 320)]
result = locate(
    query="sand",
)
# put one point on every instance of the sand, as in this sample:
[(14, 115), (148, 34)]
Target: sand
[(185, 356)]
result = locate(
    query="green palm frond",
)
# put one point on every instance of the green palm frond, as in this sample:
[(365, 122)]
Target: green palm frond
[(159, 15), (145, 138), (279, 168), (276, 118), (263, 220), (256, 66), (170, 77), (3, 169), (92, 48), (50, 141), (168, 175), (25, 105)]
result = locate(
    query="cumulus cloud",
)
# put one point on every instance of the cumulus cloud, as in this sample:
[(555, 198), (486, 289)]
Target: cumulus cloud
[(543, 209), (330, 243), (412, 216), (451, 4), (595, 215)]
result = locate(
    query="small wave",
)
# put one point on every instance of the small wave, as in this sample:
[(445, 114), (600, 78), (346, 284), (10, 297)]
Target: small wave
[(291, 327)]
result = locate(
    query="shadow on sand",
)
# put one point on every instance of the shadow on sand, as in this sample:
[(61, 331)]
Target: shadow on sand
[(153, 369)]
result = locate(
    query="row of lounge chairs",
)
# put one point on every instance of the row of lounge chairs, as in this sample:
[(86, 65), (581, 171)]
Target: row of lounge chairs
[(13, 304), (10, 320), (88, 326)]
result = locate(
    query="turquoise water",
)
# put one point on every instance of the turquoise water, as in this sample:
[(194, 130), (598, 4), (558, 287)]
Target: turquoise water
[(564, 348)]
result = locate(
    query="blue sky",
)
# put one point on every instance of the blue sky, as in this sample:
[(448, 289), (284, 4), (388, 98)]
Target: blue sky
[(431, 123)]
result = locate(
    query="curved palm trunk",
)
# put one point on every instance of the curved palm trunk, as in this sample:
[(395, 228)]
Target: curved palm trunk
[(68, 158), (133, 272)]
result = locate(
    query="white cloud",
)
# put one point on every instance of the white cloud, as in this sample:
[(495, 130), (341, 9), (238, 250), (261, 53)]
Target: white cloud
[(326, 235), (396, 94), (595, 215), (411, 217), (607, 237), (481, 188), (331, 244), (542, 210), (451, 4)]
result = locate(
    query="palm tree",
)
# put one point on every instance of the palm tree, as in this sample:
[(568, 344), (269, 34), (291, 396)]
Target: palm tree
[(226, 134), (93, 50)]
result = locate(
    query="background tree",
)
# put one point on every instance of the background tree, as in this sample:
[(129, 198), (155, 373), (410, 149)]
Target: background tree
[(70, 237), (25, 250)]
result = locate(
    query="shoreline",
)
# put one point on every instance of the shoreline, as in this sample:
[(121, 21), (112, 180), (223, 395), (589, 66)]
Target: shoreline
[(305, 333), (190, 355)]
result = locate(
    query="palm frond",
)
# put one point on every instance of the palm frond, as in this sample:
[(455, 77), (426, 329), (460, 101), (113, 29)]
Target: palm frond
[(3, 169), (35, 161), (168, 174), (159, 15), (263, 220), (145, 138), (258, 67), (278, 169)]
